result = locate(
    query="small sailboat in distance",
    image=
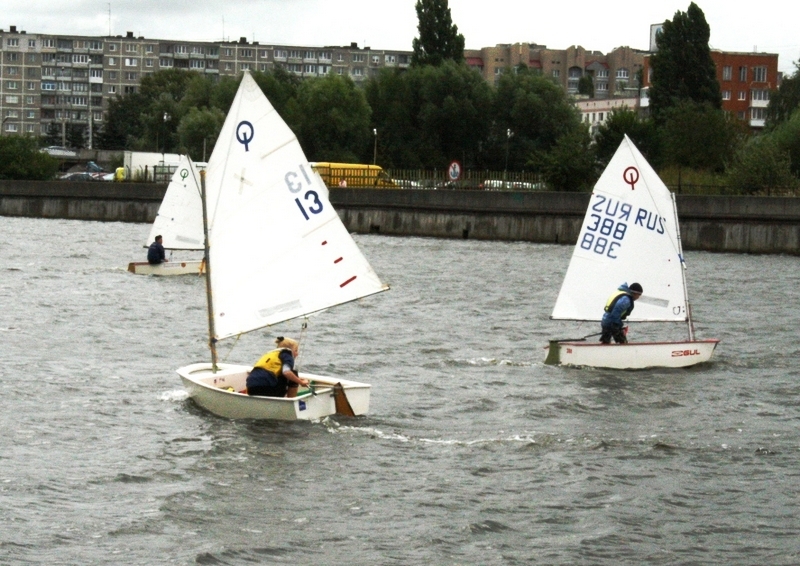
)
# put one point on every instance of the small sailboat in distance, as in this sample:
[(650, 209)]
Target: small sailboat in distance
[(179, 222), (276, 250), (630, 233)]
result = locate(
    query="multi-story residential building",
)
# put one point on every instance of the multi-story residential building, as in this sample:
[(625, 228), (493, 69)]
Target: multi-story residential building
[(50, 79), (613, 75), (745, 80)]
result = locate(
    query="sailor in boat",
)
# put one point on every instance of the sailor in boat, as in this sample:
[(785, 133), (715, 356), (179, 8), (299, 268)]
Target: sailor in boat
[(155, 253), (618, 307), (274, 374)]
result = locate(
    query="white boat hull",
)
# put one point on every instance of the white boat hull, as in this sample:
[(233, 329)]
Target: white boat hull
[(210, 391), (632, 355), (190, 267)]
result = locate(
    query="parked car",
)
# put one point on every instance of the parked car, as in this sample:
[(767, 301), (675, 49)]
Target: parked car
[(79, 176)]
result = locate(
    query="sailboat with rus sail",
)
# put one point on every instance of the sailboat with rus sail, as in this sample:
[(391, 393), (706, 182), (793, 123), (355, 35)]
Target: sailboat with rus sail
[(179, 222), (275, 250), (630, 233)]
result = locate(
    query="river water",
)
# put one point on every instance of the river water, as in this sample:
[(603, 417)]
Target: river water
[(474, 452)]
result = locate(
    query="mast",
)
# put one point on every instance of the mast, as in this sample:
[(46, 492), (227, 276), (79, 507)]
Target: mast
[(683, 271), (212, 342)]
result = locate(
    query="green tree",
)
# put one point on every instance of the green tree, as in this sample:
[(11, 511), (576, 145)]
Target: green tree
[(762, 166), (535, 110), (198, 132), (337, 119), (569, 165), (586, 86), (624, 121), (20, 159), (785, 101), (682, 67), (699, 136), (787, 137), (438, 39)]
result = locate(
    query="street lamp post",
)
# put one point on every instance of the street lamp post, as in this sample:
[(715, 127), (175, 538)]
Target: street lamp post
[(375, 147), (509, 133)]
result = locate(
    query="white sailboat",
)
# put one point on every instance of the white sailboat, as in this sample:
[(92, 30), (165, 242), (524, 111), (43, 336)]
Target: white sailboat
[(630, 233), (179, 222), (276, 250)]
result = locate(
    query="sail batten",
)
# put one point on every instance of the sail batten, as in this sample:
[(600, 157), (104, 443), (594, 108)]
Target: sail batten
[(278, 248), (629, 234)]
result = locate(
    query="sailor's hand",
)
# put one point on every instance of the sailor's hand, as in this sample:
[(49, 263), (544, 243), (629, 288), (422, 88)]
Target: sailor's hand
[(303, 382)]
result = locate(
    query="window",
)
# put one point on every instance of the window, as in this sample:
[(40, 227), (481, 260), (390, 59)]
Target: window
[(131, 48), (601, 87), (12, 42), (310, 55), (12, 99), (78, 58), (148, 62), (12, 114), (760, 74), (131, 76), (622, 73), (30, 58), (112, 61), (248, 53), (391, 59), (29, 128), (112, 89), (12, 56), (556, 73), (30, 85), (48, 43), (112, 75), (80, 87), (602, 74), (758, 113), (310, 69), (30, 100), (280, 54), (129, 89), (131, 62), (228, 66), (48, 85), (726, 95), (96, 45), (340, 57), (164, 62), (11, 127), (358, 57), (759, 94), (727, 73), (325, 55), (112, 46), (198, 50), (263, 53), (31, 43), (742, 74), (12, 70), (742, 95), (358, 72), (244, 66), (227, 52), (376, 59), (149, 48), (12, 85), (96, 73), (294, 54)]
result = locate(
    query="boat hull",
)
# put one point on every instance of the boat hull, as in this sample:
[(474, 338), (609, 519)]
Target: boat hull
[(632, 355), (190, 267), (210, 391)]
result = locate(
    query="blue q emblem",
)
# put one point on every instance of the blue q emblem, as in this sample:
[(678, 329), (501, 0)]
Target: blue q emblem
[(241, 135)]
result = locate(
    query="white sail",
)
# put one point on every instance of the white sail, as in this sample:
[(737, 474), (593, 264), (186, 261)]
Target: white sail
[(180, 217), (630, 234), (277, 248)]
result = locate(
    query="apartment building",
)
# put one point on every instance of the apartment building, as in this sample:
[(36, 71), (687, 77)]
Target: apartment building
[(745, 80), (613, 75), (50, 79)]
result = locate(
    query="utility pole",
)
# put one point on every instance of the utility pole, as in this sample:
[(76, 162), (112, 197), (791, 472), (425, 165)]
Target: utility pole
[(375, 147)]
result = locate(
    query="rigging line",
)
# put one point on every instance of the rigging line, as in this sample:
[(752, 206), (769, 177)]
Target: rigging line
[(231, 348), (303, 328)]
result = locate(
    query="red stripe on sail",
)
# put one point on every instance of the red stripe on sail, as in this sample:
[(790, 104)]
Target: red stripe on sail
[(348, 281), (324, 242), (337, 260)]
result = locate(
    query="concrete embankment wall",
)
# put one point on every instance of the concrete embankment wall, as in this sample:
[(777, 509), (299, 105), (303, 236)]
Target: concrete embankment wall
[(713, 223)]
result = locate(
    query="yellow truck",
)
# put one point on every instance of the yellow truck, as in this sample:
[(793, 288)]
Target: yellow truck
[(353, 175)]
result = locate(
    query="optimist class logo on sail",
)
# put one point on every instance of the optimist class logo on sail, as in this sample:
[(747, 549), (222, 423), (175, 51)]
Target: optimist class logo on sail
[(609, 219)]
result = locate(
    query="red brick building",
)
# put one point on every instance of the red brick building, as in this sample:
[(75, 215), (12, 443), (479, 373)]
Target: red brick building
[(745, 80)]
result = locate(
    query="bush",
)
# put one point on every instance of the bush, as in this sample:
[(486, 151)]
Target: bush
[(20, 159)]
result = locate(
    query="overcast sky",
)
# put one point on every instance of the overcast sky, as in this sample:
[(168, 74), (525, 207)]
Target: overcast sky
[(766, 26)]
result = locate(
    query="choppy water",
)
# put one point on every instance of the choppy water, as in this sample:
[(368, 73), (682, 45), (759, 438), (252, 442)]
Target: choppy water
[(474, 451)]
